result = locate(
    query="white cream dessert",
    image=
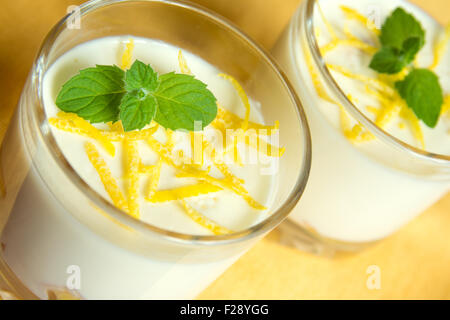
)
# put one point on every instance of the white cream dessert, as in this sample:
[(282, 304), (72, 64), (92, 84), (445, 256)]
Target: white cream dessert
[(358, 192), (144, 173), (215, 205), (348, 51)]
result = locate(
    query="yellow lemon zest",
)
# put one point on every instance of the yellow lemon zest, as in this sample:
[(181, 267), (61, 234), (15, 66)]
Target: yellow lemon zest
[(327, 24), (408, 114), (203, 221), (116, 126), (223, 168), (127, 54), (320, 89), (375, 83), (232, 148), (354, 42), (440, 47), (75, 124), (355, 15), (232, 184), (131, 135), (388, 111), (392, 78), (197, 148), (146, 169), (182, 63), (355, 133), (446, 105), (225, 184), (132, 166), (243, 97), (193, 190), (264, 147), (154, 179), (106, 177), (231, 121), (373, 110)]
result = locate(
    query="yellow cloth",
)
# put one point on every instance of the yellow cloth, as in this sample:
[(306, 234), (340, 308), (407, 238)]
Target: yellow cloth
[(414, 263)]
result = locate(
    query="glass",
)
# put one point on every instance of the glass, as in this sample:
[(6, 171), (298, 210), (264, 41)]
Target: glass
[(49, 236), (356, 194)]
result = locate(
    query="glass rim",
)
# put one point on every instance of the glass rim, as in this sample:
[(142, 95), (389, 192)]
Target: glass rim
[(49, 142), (307, 23)]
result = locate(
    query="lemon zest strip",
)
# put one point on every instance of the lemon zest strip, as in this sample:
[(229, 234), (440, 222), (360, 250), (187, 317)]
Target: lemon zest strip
[(132, 165), (127, 55), (243, 97), (353, 14), (106, 177), (84, 128), (440, 47), (184, 68), (203, 221)]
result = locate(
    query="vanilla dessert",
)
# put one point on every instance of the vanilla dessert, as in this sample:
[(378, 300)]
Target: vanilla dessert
[(362, 188), (227, 208), (151, 174)]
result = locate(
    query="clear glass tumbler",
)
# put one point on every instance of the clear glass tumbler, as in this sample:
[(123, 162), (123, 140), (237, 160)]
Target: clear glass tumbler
[(50, 234), (356, 194)]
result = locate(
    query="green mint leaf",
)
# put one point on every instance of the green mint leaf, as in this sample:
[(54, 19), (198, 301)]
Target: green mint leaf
[(183, 100), (399, 27), (401, 38), (387, 60), (136, 111), (94, 94), (411, 47), (138, 106), (141, 76), (423, 94)]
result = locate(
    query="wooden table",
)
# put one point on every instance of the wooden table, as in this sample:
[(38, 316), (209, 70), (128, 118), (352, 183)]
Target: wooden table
[(414, 263)]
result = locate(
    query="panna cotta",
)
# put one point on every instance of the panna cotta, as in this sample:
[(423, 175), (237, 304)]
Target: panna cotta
[(176, 188), (376, 165)]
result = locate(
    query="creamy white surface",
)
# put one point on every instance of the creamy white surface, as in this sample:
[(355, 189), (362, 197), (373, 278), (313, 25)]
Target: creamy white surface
[(223, 207)]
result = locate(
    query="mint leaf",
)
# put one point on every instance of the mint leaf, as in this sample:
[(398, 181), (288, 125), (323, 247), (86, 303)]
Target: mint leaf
[(390, 60), (182, 100), (140, 76), (423, 94), (387, 60), (94, 94), (399, 27), (401, 37), (136, 111), (138, 106), (411, 47)]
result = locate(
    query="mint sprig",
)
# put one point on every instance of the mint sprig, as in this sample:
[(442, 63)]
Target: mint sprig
[(138, 96), (423, 94), (94, 94), (401, 38)]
